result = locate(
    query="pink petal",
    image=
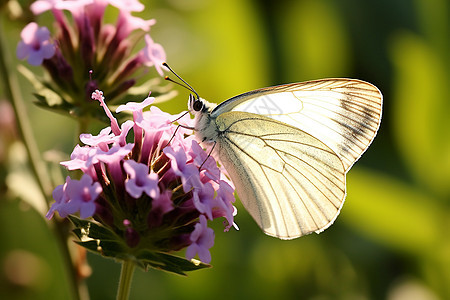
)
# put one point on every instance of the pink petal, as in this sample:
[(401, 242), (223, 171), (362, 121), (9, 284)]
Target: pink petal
[(28, 32)]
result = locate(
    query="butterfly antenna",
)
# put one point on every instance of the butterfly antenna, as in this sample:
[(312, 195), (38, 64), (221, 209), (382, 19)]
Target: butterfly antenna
[(186, 86), (177, 83)]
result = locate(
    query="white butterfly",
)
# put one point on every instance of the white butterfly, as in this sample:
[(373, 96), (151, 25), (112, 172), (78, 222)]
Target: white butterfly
[(287, 148)]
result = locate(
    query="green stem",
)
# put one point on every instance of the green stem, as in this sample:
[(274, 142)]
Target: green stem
[(83, 124), (126, 275)]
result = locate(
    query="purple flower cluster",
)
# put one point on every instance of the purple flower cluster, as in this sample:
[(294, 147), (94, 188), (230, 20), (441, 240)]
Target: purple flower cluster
[(157, 192), (83, 41)]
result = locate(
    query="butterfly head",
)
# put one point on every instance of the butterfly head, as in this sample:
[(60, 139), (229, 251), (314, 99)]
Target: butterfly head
[(198, 105), (195, 104), (201, 110)]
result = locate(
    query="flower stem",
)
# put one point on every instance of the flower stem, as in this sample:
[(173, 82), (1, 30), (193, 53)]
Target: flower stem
[(126, 275)]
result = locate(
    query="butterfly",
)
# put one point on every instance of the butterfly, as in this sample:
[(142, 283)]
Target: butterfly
[(287, 148)]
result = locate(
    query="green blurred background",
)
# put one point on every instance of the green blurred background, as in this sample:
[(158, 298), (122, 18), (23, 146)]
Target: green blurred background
[(391, 240)]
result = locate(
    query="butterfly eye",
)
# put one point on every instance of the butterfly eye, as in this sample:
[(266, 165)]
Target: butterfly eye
[(198, 105)]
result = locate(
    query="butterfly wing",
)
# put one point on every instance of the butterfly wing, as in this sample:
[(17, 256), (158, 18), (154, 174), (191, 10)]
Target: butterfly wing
[(290, 182), (343, 113)]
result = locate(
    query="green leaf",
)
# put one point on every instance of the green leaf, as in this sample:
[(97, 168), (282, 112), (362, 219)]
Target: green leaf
[(58, 104), (111, 249), (103, 241), (169, 263), (99, 239), (86, 228)]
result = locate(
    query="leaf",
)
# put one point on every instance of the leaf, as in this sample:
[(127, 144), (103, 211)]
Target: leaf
[(91, 229), (57, 105), (169, 263), (111, 249), (101, 240)]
